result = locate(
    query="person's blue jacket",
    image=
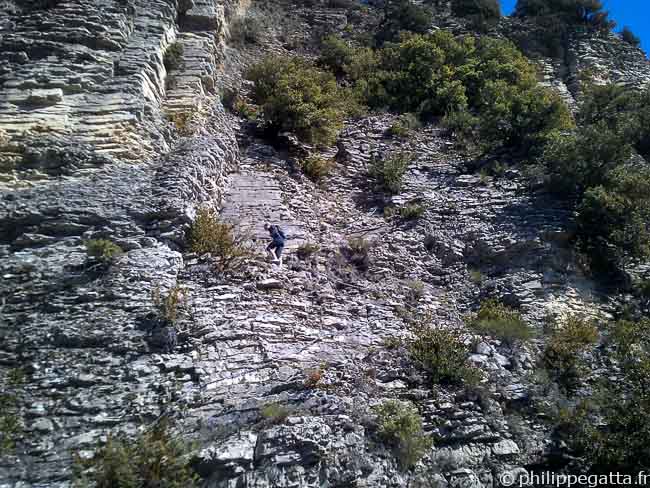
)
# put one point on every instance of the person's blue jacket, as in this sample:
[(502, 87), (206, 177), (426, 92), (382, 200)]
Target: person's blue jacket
[(277, 235)]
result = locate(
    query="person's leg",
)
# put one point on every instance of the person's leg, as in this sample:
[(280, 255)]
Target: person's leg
[(278, 253), (270, 249)]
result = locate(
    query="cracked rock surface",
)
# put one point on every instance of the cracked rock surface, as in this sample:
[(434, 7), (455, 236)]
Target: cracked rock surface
[(87, 152)]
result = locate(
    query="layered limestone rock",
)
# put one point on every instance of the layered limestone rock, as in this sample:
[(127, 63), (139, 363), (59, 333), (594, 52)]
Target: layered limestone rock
[(89, 78), (317, 337)]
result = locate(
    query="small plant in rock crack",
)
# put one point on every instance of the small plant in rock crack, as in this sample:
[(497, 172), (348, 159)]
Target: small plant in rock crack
[(229, 247), (274, 413), (102, 251), (307, 250), (501, 322), (562, 355), (356, 252), (443, 354), (400, 426), (154, 458), (316, 167), (404, 125), (314, 376), (173, 56), (182, 121), (168, 304), (388, 172), (11, 423), (415, 290), (412, 211)]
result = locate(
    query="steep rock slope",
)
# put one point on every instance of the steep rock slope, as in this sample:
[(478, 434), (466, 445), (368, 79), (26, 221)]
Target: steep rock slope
[(316, 337)]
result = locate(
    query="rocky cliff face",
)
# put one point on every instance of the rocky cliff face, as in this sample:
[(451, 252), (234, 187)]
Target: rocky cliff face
[(92, 148)]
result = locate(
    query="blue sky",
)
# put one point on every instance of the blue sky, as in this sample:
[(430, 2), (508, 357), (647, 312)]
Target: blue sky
[(633, 13)]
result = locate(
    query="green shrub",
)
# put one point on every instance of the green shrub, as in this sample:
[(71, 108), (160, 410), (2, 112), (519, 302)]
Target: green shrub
[(343, 59), (502, 322), (11, 422), (402, 16), (443, 355), (630, 37), (415, 290), (388, 172), (561, 357), (208, 235), (462, 125), (574, 12), (102, 250), (404, 125), (173, 56), (609, 431), (244, 109), (356, 253), (412, 211), (482, 13), (154, 458), (400, 426), (486, 85), (168, 304), (613, 219), (296, 96), (316, 167), (557, 19), (476, 276), (274, 413)]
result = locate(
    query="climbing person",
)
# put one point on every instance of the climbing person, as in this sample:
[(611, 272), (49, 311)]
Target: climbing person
[(276, 246)]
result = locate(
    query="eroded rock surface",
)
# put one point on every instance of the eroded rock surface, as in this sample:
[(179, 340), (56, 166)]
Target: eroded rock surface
[(82, 120)]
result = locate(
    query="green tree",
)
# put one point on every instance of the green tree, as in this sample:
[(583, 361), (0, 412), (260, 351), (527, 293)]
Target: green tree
[(630, 37), (613, 218), (482, 13), (296, 96), (402, 16)]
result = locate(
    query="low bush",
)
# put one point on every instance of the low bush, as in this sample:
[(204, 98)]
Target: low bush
[(168, 304), (404, 125), (296, 96), (400, 426), (593, 165), (608, 432), (173, 56), (561, 357), (244, 109), (154, 458), (356, 252), (316, 167), (501, 322), (613, 219), (415, 290), (630, 37), (313, 377), (274, 413), (412, 211), (102, 250), (557, 19), (443, 355), (229, 248), (402, 16), (388, 172), (482, 13), (572, 12)]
